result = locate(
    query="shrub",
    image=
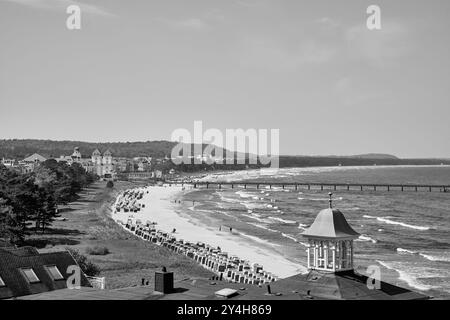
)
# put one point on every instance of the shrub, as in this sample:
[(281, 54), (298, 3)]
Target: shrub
[(110, 184), (97, 251), (88, 268)]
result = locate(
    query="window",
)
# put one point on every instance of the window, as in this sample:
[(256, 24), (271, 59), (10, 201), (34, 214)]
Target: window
[(2, 283), (30, 275), (54, 272)]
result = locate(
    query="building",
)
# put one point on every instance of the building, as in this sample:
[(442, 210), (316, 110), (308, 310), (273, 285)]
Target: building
[(102, 164), (30, 163), (25, 271)]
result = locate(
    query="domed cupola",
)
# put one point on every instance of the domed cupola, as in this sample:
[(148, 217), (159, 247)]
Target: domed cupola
[(330, 241)]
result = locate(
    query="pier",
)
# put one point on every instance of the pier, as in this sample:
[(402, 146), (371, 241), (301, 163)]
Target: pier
[(319, 186)]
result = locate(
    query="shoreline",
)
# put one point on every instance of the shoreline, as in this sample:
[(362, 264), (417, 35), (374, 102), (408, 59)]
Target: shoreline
[(161, 208)]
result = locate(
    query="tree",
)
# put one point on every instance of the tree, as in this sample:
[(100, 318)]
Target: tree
[(89, 268), (110, 184)]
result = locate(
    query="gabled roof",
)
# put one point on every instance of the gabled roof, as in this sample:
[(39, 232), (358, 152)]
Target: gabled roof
[(330, 223), (13, 260), (96, 152), (107, 153), (35, 157)]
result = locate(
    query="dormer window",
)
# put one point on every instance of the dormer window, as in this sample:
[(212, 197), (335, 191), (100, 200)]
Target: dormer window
[(54, 272), (29, 274)]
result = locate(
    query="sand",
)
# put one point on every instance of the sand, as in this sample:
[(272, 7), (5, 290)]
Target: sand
[(160, 208)]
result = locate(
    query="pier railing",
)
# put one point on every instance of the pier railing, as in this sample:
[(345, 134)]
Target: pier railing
[(319, 186)]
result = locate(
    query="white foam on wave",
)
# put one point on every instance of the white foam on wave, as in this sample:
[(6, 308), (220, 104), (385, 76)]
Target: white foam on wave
[(289, 237), (262, 227), (403, 251), (366, 238), (442, 257), (283, 220), (410, 275), (388, 221)]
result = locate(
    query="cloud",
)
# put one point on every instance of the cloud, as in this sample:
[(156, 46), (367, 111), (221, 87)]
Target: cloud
[(273, 55), (378, 47), (62, 5)]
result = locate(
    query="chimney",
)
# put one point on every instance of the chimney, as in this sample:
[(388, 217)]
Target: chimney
[(164, 281)]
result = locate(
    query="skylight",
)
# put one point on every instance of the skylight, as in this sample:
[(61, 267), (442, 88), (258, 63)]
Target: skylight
[(54, 272), (30, 275)]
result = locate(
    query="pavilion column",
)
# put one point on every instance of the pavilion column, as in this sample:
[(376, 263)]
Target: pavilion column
[(325, 256), (333, 248), (308, 253)]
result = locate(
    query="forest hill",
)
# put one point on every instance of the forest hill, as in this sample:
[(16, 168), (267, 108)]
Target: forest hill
[(28, 202)]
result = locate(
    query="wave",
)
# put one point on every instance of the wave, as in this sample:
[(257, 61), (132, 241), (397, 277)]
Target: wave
[(254, 217), (445, 257), (401, 250), (283, 220), (411, 275), (387, 221), (289, 237), (262, 227), (366, 238)]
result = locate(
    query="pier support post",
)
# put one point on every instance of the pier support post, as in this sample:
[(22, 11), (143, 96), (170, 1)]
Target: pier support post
[(416, 189), (361, 188), (348, 188), (402, 188), (207, 185), (309, 187), (374, 188), (321, 187), (334, 187), (296, 186)]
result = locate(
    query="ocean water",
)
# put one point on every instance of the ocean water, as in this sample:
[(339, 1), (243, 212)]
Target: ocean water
[(406, 234)]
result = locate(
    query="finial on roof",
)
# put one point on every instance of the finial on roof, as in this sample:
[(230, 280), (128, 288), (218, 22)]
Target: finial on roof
[(330, 194)]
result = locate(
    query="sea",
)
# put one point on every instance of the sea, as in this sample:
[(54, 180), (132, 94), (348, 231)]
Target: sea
[(405, 234)]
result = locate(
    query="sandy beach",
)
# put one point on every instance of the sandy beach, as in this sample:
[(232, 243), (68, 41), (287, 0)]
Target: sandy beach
[(160, 207)]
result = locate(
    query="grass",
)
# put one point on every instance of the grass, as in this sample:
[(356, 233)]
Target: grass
[(123, 258), (97, 251)]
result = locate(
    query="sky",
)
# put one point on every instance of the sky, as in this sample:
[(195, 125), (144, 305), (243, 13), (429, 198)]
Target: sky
[(138, 70)]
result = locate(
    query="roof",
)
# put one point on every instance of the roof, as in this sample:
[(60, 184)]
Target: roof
[(315, 285), (343, 285), (35, 158), (107, 153), (330, 223), (96, 152), (12, 260)]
